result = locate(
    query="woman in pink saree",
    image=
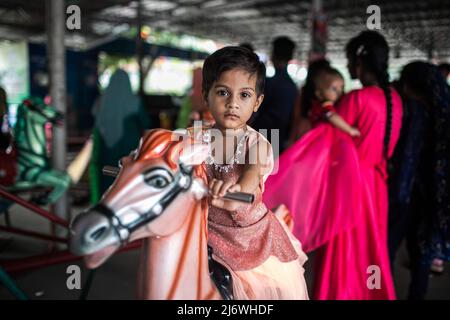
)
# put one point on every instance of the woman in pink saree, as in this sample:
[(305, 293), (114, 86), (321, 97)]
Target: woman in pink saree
[(338, 192)]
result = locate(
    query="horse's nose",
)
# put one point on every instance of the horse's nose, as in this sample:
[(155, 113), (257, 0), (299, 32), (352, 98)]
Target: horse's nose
[(96, 233), (91, 231), (97, 228)]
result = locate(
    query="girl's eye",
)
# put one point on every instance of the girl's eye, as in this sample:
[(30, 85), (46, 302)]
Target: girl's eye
[(222, 93)]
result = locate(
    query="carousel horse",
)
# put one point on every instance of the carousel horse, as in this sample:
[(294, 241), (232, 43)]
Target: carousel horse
[(159, 195), (33, 163)]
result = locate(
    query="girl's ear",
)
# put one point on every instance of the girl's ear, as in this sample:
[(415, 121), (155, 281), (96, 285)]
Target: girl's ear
[(259, 100)]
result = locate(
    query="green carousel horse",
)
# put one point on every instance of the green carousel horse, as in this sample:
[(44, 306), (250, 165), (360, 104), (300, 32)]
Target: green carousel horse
[(33, 169), (33, 162)]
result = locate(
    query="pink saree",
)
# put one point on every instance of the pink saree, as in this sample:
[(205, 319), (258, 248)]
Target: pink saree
[(335, 188)]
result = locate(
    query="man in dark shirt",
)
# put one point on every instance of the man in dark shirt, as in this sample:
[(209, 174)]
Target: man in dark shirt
[(279, 94)]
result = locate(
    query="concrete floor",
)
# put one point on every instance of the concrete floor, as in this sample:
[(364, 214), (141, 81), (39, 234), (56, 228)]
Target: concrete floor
[(116, 279)]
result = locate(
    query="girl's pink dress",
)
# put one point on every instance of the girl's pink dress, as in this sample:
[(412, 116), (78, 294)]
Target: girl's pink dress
[(265, 259), (335, 188)]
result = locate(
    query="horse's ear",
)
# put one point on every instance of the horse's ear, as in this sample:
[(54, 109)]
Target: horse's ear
[(193, 152)]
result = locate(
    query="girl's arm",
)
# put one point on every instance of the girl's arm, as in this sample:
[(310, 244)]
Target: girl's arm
[(338, 121), (249, 181)]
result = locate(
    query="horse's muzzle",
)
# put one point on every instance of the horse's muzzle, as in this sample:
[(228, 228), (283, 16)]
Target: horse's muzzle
[(92, 231)]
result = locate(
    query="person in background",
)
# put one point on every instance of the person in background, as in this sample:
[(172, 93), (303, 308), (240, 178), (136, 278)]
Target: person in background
[(419, 196), (120, 122), (300, 120), (8, 154), (328, 88), (335, 185), (4, 126), (193, 107), (444, 68), (280, 93)]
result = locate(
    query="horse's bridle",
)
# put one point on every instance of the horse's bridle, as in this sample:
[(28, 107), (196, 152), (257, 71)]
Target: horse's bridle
[(181, 183)]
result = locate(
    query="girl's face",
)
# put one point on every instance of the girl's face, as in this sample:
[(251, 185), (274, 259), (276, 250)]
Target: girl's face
[(232, 99), (332, 91)]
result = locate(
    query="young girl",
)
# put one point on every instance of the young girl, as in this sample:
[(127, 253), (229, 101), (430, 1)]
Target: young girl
[(266, 261), (329, 85)]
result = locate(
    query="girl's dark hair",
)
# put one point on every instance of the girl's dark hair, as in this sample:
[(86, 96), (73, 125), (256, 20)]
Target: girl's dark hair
[(372, 51), (229, 58), (322, 73), (307, 94)]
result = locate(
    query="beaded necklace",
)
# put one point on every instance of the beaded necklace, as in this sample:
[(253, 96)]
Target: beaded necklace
[(234, 160)]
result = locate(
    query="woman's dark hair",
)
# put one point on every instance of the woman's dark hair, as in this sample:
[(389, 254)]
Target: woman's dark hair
[(371, 50), (416, 77), (307, 94), (229, 58), (425, 81)]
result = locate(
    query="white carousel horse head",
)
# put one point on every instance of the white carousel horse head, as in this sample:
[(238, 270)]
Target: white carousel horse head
[(158, 195), (162, 168)]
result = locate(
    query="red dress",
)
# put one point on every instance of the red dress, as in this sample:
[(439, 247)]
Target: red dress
[(335, 188), (319, 111)]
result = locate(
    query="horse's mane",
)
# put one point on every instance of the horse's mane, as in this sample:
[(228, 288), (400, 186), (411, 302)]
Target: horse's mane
[(168, 144)]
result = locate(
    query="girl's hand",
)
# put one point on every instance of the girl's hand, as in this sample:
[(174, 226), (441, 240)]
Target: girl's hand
[(354, 132), (218, 188)]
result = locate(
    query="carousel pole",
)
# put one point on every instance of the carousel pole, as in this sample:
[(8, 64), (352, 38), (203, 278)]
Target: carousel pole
[(139, 48), (55, 13), (318, 31)]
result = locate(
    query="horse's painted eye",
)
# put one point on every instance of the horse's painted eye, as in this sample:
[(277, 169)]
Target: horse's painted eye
[(158, 178), (157, 182)]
